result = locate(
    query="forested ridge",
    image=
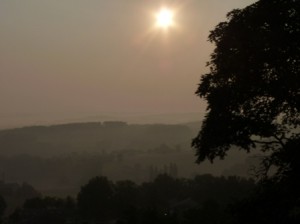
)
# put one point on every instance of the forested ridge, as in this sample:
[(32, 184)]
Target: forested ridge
[(91, 137)]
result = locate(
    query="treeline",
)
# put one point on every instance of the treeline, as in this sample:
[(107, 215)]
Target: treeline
[(64, 174), (164, 200), (91, 137), (61, 175), (13, 195)]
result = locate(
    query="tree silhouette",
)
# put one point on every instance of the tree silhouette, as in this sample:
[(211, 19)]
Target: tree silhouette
[(253, 96), (95, 199), (253, 87), (45, 210), (2, 207)]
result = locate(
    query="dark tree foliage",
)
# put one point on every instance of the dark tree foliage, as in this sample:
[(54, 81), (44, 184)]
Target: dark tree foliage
[(253, 87), (2, 207), (166, 200), (47, 210), (95, 198), (253, 95)]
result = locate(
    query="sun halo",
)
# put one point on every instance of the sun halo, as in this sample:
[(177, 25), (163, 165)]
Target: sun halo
[(164, 18)]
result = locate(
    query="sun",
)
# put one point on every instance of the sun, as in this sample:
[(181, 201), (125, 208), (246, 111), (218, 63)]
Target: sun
[(164, 18)]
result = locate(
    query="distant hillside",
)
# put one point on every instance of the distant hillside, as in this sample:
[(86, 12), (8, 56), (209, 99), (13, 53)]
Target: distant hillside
[(58, 159), (8, 121), (92, 137)]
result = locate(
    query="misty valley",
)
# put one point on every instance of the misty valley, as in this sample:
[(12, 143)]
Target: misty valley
[(56, 161)]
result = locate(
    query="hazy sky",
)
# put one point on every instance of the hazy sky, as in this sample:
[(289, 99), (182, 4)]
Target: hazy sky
[(77, 58)]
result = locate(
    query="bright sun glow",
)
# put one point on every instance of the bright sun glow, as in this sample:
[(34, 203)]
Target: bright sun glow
[(164, 18)]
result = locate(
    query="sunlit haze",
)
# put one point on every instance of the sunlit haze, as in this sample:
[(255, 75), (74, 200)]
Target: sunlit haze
[(73, 59), (164, 18)]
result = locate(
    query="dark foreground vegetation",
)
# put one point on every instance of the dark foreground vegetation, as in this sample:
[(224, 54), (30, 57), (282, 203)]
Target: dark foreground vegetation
[(165, 200)]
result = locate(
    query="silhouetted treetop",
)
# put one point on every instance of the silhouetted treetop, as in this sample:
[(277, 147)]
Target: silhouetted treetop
[(252, 88), (94, 198)]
